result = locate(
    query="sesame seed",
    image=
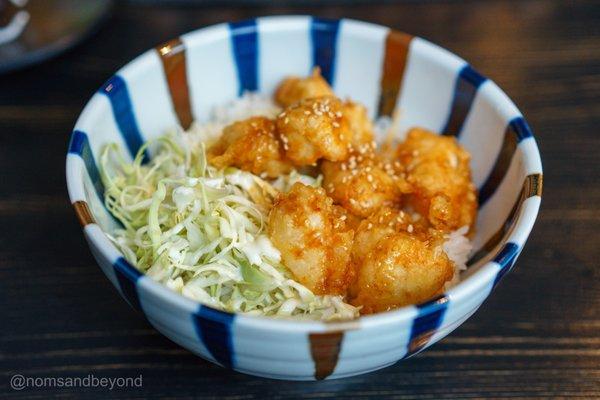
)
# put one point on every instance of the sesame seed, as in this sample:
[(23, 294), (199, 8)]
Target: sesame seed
[(369, 226), (307, 112), (410, 228), (336, 125), (453, 160)]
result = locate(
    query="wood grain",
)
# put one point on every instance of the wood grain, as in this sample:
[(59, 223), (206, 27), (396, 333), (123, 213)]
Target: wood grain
[(538, 336)]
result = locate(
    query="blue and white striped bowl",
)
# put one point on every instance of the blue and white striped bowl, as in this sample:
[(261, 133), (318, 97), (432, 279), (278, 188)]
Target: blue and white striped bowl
[(387, 71)]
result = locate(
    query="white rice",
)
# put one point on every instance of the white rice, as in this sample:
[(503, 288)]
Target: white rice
[(457, 246)]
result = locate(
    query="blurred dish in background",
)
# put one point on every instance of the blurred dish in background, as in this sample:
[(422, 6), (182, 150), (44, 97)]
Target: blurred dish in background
[(32, 31), (13, 19)]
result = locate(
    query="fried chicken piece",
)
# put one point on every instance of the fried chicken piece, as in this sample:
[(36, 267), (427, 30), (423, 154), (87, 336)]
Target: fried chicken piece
[(361, 184), (314, 128), (437, 169), (402, 270), (251, 145), (368, 179), (294, 89), (398, 261), (384, 222), (313, 238)]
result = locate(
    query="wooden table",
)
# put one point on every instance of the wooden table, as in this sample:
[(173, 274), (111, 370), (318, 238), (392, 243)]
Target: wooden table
[(537, 336)]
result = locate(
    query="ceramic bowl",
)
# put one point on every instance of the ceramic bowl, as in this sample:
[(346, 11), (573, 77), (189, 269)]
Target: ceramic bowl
[(390, 72)]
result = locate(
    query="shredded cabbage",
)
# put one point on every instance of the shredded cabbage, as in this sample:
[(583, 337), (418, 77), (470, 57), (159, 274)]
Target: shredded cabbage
[(201, 231)]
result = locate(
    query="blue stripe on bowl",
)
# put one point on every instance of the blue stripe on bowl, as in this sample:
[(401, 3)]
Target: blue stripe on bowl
[(506, 259), (323, 33), (127, 276), (244, 39), (521, 128), (426, 323), (516, 131), (214, 328), (465, 89), (80, 145), (118, 94)]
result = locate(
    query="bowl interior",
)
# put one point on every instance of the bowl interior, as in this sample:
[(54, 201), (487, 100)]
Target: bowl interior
[(393, 74)]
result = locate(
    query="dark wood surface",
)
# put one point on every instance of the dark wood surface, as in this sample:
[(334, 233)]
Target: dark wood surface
[(538, 336)]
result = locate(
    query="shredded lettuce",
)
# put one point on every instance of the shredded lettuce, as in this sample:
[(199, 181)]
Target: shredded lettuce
[(201, 231)]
